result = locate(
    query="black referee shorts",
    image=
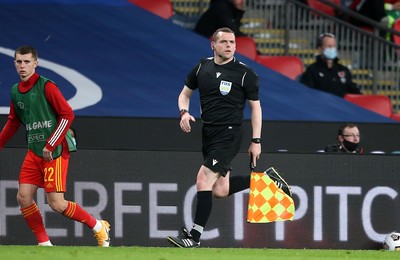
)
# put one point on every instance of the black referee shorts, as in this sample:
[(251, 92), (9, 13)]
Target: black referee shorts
[(220, 145)]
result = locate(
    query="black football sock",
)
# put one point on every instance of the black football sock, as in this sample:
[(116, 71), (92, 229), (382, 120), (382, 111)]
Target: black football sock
[(203, 211), (238, 183)]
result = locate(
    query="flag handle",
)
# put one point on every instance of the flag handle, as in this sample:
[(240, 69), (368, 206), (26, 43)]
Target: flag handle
[(252, 167)]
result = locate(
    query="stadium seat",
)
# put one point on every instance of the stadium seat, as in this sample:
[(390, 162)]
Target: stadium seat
[(246, 46), (379, 104), (395, 116), (396, 27), (290, 66), (316, 4), (162, 8)]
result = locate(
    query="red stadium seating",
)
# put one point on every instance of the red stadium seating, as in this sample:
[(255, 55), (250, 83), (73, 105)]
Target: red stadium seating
[(162, 8), (316, 4), (377, 103), (246, 46), (290, 66), (396, 27)]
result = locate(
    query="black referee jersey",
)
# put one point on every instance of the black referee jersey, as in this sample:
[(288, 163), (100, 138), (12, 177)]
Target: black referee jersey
[(223, 90)]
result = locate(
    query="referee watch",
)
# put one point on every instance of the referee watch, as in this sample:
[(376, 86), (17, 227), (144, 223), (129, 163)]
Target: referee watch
[(183, 111), (256, 140)]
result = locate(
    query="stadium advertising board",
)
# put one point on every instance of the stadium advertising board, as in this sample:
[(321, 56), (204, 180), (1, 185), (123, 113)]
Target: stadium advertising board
[(342, 201)]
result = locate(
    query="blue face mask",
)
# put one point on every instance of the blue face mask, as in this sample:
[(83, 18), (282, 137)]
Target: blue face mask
[(330, 53)]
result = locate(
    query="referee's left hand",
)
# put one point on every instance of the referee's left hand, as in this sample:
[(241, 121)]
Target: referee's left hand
[(255, 152)]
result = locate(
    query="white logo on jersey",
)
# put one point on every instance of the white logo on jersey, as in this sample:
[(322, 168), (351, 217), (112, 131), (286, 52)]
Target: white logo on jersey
[(225, 87), (218, 74), (214, 162)]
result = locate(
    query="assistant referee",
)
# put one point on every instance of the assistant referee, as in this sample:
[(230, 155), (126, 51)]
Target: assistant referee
[(224, 85)]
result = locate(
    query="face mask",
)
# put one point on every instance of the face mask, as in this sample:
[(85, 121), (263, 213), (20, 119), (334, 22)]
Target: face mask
[(349, 145), (330, 53)]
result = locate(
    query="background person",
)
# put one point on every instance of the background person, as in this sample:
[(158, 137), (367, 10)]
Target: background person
[(326, 73), (349, 140), (221, 13), (372, 9)]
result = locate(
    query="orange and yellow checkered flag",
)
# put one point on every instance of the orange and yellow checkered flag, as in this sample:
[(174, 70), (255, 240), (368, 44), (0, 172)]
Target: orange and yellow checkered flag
[(268, 203)]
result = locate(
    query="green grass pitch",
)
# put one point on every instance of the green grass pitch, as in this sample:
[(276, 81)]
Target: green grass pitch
[(165, 253)]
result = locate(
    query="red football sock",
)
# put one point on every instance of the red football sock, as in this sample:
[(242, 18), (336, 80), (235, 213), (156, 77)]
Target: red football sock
[(75, 212), (35, 221)]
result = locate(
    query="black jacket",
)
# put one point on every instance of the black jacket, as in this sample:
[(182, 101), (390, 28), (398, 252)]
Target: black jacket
[(337, 148), (221, 13)]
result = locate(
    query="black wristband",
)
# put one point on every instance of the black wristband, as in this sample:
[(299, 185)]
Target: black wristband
[(256, 140), (183, 111)]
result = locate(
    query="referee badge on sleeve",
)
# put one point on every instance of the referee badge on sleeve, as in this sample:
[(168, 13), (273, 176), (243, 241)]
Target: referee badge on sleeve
[(225, 87)]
